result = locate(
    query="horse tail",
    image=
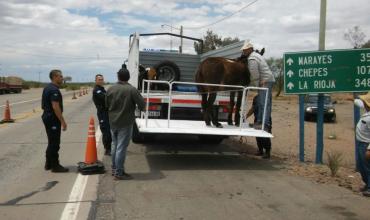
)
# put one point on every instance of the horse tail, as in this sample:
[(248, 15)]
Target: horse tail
[(199, 78)]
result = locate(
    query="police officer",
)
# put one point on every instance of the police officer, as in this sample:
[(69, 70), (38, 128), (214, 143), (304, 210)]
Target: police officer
[(52, 117), (99, 101)]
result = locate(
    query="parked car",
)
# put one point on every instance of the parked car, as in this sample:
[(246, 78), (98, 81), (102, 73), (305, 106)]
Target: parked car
[(310, 106)]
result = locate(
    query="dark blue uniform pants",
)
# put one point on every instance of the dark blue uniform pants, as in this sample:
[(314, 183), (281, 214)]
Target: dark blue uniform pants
[(105, 129), (53, 131)]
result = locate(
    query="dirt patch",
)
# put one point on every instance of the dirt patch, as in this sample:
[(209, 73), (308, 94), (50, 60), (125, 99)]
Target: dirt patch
[(338, 137)]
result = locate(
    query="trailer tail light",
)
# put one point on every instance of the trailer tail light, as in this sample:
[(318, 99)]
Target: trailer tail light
[(225, 109), (154, 107)]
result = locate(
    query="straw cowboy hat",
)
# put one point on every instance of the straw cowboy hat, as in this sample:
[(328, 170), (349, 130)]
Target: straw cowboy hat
[(247, 45), (366, 99)]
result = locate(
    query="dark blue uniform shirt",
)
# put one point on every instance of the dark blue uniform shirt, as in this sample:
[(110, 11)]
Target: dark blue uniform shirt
[(99, 98), (50, 94)]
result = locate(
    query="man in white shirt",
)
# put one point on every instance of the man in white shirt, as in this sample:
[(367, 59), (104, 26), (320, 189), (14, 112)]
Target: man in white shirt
[(363, 137), (261, 76)]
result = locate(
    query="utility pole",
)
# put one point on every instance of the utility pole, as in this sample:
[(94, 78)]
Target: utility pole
[(181, 33), (320, 101)]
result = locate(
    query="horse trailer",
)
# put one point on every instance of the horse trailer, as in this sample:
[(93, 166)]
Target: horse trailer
[(173, 102)]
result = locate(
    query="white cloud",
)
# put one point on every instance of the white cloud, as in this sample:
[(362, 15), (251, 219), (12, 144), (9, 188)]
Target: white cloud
[(42, 34)]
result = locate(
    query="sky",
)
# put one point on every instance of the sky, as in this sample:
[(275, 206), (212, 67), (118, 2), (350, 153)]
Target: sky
[(86, 37)]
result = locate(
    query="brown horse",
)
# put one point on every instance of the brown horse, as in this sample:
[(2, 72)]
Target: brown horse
[(218, 70)]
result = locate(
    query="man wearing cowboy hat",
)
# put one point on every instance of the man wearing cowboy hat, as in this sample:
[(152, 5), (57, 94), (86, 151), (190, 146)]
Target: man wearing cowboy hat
[(363, 137), (261, 76)]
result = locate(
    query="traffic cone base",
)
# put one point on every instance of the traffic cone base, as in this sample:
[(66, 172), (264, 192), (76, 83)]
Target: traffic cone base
[(91, 164), (74, 95)]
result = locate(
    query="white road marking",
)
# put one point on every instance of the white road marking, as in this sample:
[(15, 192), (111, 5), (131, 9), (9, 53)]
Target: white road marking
[(71, 209)]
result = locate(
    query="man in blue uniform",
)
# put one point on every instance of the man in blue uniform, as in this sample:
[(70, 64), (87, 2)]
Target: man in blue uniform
[(52, 117), (102, 112)]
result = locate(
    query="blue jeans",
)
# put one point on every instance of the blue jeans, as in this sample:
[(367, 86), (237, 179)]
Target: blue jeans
[(261, 104), (363, 164), (120, 138)]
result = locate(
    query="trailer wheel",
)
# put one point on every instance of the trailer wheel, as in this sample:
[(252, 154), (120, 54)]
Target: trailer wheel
[(211, 139), (167, 71)]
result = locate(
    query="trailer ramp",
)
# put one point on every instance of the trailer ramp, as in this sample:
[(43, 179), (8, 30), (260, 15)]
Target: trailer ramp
[(197, 127), (170, 126)]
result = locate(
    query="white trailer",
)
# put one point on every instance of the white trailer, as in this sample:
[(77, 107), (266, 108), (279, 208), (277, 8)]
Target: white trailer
[(175, 110)]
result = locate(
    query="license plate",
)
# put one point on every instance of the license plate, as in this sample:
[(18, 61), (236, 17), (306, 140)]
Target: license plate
[(154, 113), (150, 113)]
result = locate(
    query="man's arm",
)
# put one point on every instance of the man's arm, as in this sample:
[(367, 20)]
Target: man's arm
[(58, 113), (255, 75), (367, 155), (138, 99)]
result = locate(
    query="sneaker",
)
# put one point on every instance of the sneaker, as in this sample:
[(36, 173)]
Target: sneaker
[(366, 193), (124, 176), (59, 169), (363, 189)]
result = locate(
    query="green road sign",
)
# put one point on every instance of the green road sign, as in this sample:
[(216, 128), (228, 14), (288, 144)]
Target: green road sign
[(327, 71)]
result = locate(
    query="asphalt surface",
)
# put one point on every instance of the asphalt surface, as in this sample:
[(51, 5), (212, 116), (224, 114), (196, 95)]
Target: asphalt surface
[(174, 178), (178, 178), (27, 191)]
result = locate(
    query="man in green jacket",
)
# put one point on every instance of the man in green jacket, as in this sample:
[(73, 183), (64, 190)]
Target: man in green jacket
[(121, 101)]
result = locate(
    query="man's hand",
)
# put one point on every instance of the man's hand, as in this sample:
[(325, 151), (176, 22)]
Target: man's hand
[(367, 155), (262, 83), (64, 126)]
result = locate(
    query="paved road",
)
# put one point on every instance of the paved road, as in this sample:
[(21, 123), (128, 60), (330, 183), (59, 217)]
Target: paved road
[(180, 179), (175, 178), (29, 192)]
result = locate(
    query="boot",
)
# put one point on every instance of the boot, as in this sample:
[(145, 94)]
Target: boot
[(107, 148), (47, 165), (107, 152), (57, 168), (259, 152), (267, 154)]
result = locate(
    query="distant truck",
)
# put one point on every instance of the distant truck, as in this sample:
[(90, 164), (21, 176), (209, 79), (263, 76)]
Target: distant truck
[(10, 84)]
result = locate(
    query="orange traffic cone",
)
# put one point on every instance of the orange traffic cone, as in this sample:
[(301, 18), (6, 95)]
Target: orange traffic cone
[(74, 95), (7, 117), (91, 155), (91, 165)]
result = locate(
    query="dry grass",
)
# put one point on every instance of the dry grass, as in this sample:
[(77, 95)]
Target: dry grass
[(334, 161)]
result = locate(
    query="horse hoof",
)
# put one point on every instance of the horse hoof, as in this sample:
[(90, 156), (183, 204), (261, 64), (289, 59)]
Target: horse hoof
[(219, 125), (237, 124), (230, 123)]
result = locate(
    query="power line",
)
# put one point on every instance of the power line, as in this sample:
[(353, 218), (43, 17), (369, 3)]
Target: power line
[(224, 18)]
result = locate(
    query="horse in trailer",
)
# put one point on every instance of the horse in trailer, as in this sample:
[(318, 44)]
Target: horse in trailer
[(219, 70)]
